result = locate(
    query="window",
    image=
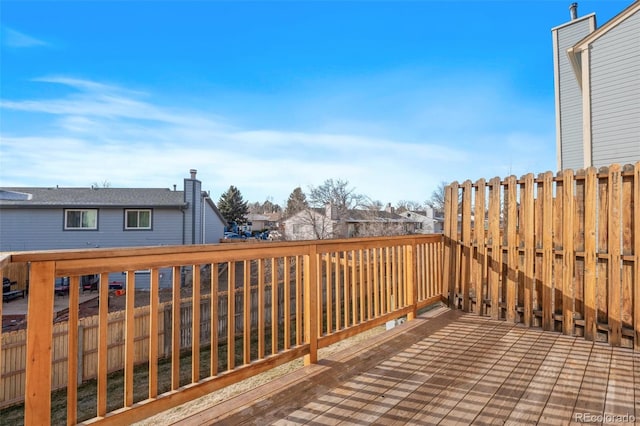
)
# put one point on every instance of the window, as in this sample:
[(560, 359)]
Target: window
[(81, 219), (137, 219)]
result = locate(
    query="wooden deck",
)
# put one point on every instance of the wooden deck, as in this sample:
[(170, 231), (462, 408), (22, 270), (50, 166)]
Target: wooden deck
[(448, 367)]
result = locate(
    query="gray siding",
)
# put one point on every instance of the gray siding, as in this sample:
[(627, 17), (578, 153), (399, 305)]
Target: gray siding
[(193, 214), (615, 94), (570, 95), (42, 229), (214, 228)]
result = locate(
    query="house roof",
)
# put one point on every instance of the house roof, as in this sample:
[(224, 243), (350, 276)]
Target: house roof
[(358, 215), (257, 217), (375, 216), (92, 197)]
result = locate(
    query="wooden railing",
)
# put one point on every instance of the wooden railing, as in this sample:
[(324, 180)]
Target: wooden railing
[(331, 290), (558, 252)]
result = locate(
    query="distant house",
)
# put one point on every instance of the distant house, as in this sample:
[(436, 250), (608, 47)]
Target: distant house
[(427, 223), (69, 218), (597, 94), (326, 223), (256, 222)]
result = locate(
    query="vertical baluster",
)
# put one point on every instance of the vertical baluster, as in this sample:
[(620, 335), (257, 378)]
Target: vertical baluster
[(246, 312), (175, 328), (299, 300), (129, 337), (195, 324), (354, 286), (214, 319), (153, 332), (72, 351), (231, 316), (275, 318), (103, 355), (261, 310), (287, 302)]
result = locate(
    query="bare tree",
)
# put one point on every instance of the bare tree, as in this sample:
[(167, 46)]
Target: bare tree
[(374, 205), (436, 202), (325, 210), (338, 198), (105, 184), (338, 194), (409, 205)]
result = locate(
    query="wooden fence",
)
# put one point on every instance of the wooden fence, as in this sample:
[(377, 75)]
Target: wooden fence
[(326, 291), (18, 272), (12, 374), (560, 252)]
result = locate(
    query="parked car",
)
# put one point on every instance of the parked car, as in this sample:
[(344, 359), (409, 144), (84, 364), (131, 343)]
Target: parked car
[(274, 235), (233, 235), (62, 286)]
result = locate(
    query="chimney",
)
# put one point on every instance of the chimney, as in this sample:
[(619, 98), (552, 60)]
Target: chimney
[(573, 10), (331, 211), (174, 187), (193, 173), (389, 209)]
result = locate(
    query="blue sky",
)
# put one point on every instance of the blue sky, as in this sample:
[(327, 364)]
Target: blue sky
[(394, 97)]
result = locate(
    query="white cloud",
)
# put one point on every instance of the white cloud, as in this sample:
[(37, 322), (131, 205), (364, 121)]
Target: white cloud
[(16, 39), (102, 132)]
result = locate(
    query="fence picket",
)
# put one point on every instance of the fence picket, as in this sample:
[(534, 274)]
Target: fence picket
[(511, 207), (615, 314), (590, 259), (495, 260), (480, 252), (563, 249)]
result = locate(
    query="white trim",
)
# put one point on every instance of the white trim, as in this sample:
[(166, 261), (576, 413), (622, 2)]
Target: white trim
[(556, 77), (574, 52), (137, 228), (573, 21), (586, 108), (80, 228)]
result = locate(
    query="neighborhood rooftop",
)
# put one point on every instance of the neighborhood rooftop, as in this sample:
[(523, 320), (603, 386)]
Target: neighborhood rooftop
[(120, 197)]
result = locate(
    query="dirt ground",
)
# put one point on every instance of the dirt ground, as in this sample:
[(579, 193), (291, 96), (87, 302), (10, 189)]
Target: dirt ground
[(175, 414)]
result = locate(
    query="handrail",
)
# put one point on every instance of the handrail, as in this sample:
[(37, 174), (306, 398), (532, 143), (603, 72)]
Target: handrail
[(335, 289)]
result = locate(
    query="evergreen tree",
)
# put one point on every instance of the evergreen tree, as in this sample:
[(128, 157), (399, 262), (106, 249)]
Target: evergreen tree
[(232, 206), (297, 202)]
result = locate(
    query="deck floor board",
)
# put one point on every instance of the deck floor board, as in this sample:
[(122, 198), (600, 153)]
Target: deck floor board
[(447, 368)]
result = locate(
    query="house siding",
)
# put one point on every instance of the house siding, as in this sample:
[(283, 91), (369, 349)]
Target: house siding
[(615, 94), (43, 229), (193, 212), (213, 225), (569, 94), (301, 226)]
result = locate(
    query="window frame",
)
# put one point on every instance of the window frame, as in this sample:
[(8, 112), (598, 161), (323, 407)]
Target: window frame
[(138, 228), (65, 219)]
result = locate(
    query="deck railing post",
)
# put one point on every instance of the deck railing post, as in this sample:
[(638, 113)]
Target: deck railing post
[(311, 312), (37, 409), (410, 270), (450, 243)]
